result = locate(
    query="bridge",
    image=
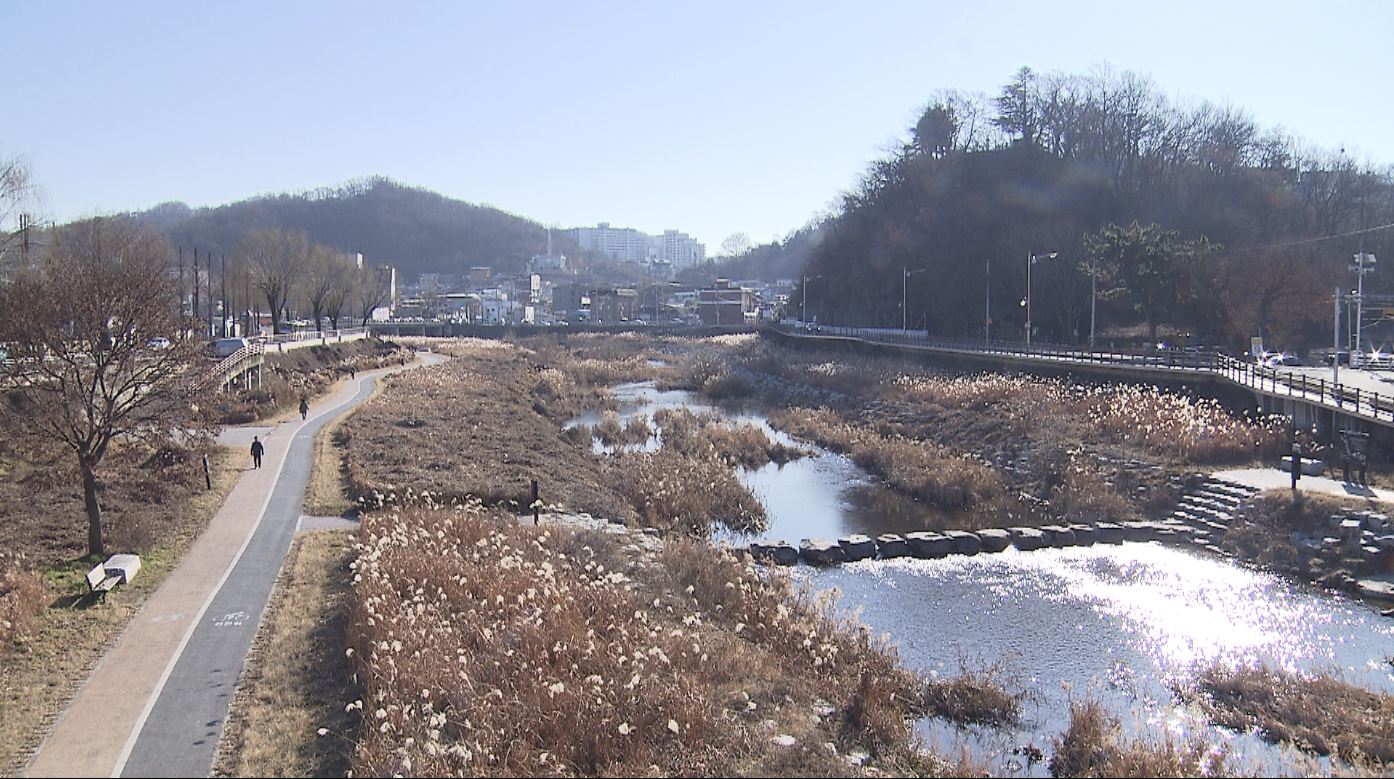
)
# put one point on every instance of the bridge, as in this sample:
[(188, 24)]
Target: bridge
[(242, 368), (1302, 395)]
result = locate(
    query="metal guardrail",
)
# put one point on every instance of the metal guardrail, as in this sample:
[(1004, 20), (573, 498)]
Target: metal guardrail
[(1273, 381), (314, 337)]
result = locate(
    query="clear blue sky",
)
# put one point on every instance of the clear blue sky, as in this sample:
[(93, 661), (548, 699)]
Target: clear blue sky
[(709, 117)]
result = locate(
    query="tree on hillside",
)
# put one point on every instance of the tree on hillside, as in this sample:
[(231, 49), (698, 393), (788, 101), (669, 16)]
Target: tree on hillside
[(1152, 265), (735, 245), (276, 260), (83, 368)]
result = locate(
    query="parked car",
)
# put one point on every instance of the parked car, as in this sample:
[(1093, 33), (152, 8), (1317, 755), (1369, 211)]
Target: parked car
[(158, 342), (1341, 357), (1280, 361), (225, 347)]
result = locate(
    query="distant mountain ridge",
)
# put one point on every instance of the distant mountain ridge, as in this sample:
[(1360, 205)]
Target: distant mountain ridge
[(414, 229)]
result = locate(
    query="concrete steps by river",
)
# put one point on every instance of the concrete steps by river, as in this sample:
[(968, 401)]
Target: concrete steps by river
[(1201, 516)]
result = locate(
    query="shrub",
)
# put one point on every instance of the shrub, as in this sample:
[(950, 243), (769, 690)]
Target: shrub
[(23, 594), (1093, 746)]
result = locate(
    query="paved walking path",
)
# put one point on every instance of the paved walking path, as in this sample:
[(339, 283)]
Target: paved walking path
[(156, 704), (1278, 479)]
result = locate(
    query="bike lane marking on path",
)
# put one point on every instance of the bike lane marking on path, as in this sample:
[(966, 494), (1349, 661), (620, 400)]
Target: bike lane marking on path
[(94, 735)]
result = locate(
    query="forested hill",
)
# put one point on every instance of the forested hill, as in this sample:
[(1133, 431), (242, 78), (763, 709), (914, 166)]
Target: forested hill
[(1053, 158), (414, 229)]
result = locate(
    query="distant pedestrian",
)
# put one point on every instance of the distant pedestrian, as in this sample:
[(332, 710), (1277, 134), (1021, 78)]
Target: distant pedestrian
[(353, 372), (304, 408), (257, 451)]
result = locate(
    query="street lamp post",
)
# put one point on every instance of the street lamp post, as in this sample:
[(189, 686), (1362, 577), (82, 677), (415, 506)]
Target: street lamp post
[(1031, 260), (904, 287), (987, 303), (1364, 263), (1093, 298), (803, 287)]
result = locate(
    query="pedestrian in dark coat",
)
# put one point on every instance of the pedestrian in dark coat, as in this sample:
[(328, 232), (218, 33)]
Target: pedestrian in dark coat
[(257, 451)]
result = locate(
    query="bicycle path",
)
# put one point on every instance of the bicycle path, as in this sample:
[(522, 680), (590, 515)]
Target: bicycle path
[(157, 702)]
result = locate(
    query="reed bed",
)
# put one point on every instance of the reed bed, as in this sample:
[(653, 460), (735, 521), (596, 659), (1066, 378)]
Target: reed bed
[(489, 648)]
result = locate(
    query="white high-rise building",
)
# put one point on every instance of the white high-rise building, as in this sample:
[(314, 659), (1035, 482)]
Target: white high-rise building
[(618, 243), (680, 249), (629, 245)]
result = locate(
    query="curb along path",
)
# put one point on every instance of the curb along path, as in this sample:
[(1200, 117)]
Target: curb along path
[(157, 702)]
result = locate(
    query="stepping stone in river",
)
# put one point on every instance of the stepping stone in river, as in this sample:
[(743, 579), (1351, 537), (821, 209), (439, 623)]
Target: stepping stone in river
[(994, 540), (964, 543), (857, 547), (817, 551), (891, 545), (1028, 539), (778, 553), (928, 546)]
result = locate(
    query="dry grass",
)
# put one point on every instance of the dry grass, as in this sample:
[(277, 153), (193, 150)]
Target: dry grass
[(974, 698), (327, 493), (1093, 745), (23, 596), (42, 669), (297, 675), (497, 649), (1319, 714), (482, 425), (485, 424), (706, 435), (673, 491), (920, 469)]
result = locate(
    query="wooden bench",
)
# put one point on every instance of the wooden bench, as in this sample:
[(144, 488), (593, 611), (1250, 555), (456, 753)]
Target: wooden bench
[(100, 582)]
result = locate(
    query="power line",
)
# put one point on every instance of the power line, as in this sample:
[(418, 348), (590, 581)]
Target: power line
[(1306, 241)]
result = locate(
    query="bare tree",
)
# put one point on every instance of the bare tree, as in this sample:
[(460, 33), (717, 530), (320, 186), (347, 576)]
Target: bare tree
[(98, 348), (372, 291), (736, 245), (276, 260), (15, 188), (340, 290), (324, 277)]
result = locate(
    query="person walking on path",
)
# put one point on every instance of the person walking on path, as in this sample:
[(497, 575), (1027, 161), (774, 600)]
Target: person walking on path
[(353, 373), (304, 407), (257, 451)]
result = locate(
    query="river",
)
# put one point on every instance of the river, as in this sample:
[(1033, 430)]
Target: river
[(1116, 623)]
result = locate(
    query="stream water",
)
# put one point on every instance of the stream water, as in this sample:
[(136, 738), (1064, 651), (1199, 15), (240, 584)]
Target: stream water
[(1117, 624)]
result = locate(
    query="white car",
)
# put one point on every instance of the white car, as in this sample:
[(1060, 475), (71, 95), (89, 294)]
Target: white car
[(158, 342)]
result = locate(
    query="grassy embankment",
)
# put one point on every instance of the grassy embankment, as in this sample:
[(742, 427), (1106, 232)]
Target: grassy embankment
[(51, 634)]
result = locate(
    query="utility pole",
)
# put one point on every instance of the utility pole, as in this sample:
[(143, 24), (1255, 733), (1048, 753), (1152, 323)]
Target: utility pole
[(1336, 341), (195, 308), (222, 315)]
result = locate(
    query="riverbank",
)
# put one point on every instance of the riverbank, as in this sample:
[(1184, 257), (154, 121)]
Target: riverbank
[(491, 421)]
